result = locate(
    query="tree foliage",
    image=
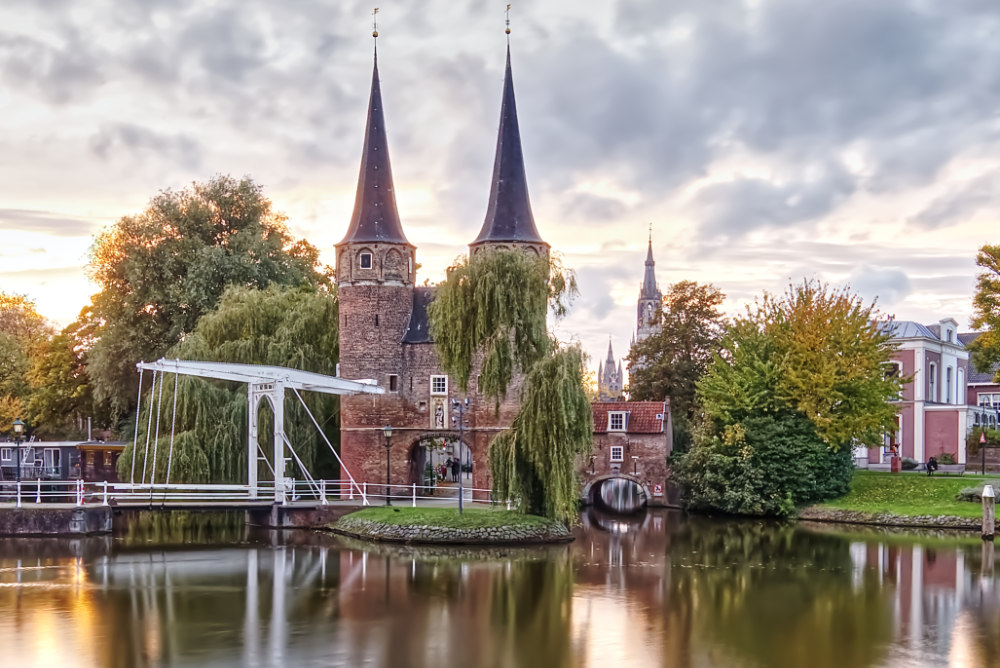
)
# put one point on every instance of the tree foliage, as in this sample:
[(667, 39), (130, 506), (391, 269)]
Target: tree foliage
[(61, 399), (986, 315), (490, 315), (492, 310), (159, 271), (817, 350), (669, 362), (23, 334), (293, 327), (533, 462), (799, 380)]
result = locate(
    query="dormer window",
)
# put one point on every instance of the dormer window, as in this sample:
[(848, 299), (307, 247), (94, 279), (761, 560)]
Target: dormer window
[(365, 260), (616, 421)]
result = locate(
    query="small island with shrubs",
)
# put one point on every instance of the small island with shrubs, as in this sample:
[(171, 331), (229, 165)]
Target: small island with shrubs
[(445, 526)]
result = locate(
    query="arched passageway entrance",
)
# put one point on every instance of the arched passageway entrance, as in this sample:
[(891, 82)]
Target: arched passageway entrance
[(440, 460), (617, 494)]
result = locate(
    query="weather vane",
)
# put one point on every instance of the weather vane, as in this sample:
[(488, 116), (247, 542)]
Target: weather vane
[(508, 20), (375, 22)]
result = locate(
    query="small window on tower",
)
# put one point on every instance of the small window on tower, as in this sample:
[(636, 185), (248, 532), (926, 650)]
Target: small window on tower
[(366, 260), (439, 384), (376, 319), (393, 383)]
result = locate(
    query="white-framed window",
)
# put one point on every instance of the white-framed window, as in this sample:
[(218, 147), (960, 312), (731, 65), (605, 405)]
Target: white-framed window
[(617, 453), (439, 384), (984, 399), (393, 382), (616, 421), (947, 385), (894, 370), (932, 375), (6, 454), (365, 260)]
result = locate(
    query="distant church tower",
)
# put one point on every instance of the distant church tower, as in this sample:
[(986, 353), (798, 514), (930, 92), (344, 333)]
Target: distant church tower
[(609, 380), (649, 298)]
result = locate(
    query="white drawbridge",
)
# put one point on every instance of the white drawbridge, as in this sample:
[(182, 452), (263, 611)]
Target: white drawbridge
[(263, 383)]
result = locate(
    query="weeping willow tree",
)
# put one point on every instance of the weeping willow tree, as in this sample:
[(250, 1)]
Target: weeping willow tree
[(490, 315), (293, 327)]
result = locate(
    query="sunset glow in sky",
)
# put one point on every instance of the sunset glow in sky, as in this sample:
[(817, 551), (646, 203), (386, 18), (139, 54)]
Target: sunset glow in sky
[(765, 140)]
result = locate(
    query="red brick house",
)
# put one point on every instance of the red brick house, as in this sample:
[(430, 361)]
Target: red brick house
[(632, 439)]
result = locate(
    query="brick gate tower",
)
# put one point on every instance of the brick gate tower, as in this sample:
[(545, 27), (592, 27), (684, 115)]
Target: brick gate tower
[(384, 331)]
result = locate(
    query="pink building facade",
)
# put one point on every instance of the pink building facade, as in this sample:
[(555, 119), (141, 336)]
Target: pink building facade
[(933, 416)]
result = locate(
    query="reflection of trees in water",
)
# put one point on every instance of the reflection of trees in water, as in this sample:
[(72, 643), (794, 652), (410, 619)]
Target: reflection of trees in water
[(530, 612), (180, 527), (774, 596)]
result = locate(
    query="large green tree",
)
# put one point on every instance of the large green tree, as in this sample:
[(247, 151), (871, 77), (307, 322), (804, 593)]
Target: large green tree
[(986, 316), (160, 270), (61, 400), (669, 362), (800, 379), (490, 315), (280, 326)]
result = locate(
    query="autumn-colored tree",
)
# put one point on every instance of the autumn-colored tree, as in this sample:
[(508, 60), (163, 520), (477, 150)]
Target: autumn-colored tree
[(160, 270), (61, 400), (800, 379), (23, 333), (986, 315)]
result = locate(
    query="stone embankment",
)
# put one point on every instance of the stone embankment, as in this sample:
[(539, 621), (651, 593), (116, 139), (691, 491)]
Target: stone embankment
[(815, 514), (366, 529)]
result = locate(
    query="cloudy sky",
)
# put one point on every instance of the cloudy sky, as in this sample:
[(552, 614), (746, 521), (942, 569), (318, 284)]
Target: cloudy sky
[(766, 140)]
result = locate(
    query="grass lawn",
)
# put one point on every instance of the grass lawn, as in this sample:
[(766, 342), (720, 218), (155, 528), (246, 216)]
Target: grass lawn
[(448, 518), (910, 494)]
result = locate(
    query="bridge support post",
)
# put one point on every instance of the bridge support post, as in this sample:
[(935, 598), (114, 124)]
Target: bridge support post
[(252, 444), (278, 406)]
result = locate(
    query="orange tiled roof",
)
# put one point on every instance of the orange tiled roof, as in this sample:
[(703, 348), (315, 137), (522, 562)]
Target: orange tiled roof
[(644, 417)]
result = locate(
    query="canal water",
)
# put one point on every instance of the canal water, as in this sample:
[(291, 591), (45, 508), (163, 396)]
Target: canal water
[(660, 589)]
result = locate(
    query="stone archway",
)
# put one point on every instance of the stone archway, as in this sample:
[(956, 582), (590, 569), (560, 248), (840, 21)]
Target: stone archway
[(431, 450), (593, 486)]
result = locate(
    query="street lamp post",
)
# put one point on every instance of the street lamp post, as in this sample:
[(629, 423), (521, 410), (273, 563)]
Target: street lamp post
[(635, 465), (18, 430), (460, 406), (387, 431)]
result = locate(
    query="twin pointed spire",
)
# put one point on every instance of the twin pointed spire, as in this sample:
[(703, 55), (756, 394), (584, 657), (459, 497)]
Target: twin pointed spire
[(375, 218), (508, 215)]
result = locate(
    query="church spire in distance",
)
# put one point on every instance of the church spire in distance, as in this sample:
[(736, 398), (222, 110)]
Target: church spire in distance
[(375, 218), (508, 214), (649, 289)]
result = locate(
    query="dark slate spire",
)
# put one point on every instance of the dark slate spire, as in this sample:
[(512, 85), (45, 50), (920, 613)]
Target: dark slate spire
[(649, 289), (508, 216), (375, 219)]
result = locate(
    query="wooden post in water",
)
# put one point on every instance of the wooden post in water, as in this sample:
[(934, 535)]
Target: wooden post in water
[(989, 512)]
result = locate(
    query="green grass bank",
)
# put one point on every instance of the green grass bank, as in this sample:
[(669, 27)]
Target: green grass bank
[(475, 526), (904, 499)]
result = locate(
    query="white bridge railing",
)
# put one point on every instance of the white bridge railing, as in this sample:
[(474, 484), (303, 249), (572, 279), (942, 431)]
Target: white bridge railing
[(80, 493)]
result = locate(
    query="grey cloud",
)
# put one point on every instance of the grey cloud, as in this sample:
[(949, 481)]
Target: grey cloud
[(45, 222), (139, 141), (889, 285), (584, 206), (734, 208), (960, 203), (58, 74)]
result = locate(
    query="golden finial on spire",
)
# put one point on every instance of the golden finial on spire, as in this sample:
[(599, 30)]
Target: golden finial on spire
[(650, 233), (508, 19), (375, 22)]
